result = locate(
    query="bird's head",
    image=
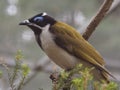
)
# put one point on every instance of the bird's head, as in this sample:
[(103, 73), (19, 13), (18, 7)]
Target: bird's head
[(38, 22)]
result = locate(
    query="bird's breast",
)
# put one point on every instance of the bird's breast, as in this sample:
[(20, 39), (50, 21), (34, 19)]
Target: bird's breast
[(54, 52)]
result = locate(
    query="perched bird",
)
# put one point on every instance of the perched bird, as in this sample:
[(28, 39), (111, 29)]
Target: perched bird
[(65, 46)]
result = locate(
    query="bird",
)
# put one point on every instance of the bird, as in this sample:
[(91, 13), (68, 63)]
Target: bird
[(65, 46)]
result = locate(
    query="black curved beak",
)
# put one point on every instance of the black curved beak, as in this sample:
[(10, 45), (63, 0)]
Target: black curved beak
[(25, 22)]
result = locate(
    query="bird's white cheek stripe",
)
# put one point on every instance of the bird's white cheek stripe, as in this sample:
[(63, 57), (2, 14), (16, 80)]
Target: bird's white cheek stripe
[(32, 24)]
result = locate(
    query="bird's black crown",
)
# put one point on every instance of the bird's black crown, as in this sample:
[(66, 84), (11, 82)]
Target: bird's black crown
[(42, 19)]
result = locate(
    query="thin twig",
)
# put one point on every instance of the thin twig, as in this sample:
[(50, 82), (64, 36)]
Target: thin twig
[(21, 83), (97, 19)]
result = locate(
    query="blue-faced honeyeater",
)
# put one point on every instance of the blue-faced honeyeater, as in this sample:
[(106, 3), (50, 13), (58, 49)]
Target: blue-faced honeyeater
[(65, 46)]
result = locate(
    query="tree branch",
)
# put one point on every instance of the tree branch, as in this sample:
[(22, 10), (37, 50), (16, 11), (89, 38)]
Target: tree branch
[(97, 19)]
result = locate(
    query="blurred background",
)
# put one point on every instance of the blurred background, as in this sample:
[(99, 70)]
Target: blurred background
[(77, 13)]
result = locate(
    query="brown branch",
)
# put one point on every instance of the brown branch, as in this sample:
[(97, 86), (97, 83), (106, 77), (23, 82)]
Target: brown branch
[(97, 19)]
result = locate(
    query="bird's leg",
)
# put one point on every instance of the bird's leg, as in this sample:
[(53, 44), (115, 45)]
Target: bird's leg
[(54, 77)]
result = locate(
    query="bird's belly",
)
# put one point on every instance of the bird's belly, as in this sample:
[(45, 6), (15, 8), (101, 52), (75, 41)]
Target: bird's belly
[(60, 57), (55, 53)]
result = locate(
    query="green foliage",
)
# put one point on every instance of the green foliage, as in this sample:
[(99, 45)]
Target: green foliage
[(79, 78), (17, 67), (20, 72), (19, 55), (104, 86), (111, 86), (25, 70)]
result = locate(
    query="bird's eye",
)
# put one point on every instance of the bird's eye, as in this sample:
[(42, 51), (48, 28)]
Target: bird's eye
[(38, 19)]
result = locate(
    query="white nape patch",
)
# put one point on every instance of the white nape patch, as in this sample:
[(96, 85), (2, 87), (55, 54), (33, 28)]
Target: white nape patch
[(44, 14), (54, 52)]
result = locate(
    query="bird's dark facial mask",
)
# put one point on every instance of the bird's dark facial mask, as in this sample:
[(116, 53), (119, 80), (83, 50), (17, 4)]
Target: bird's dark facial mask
[(39, 21)]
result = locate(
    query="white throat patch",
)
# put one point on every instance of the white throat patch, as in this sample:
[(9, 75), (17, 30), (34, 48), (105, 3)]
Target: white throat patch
[(42, 28)]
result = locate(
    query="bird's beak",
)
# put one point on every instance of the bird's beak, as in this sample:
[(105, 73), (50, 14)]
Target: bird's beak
[(25, 22)]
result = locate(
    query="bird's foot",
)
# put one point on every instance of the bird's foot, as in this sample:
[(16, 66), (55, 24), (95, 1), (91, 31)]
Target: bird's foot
[(54, 77)]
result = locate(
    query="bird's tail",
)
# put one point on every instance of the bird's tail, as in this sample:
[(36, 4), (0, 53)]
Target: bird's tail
[(105, 76)]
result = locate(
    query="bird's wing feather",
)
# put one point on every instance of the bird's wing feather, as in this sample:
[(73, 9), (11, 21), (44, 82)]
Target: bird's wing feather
[(69, 39)]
